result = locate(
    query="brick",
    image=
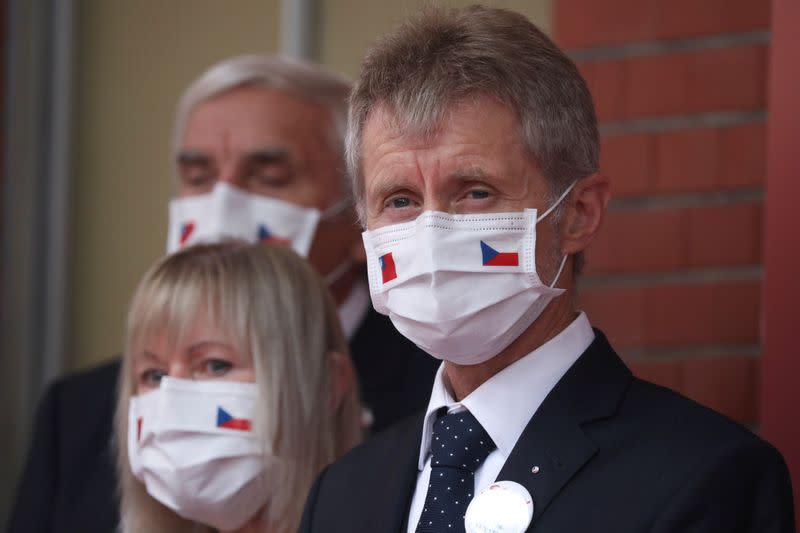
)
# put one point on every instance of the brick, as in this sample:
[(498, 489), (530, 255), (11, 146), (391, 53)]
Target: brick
[(743, 156), (727, 384), (673, 316), (628, 161), (675, 19), (733, 78), (702, 81), (686, 160), (723, 235), (607, 84), (586, 23), (656, 85), (637, 240), (714, 236), (619, 312), (582, 23), (736, 312)]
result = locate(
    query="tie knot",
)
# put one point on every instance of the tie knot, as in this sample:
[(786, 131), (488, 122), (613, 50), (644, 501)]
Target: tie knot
[(459, 441)]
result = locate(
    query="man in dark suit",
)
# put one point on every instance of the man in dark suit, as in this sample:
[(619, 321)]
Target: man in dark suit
[(266, 128), (474, 151)]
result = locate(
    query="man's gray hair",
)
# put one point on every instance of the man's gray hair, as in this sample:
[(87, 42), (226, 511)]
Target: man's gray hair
[(302, 80), (442, 56)]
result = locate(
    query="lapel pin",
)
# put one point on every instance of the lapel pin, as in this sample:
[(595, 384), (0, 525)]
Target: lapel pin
[(503, 506), (535, 470)]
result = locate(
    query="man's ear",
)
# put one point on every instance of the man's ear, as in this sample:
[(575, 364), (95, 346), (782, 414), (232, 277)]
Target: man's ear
[(342, 377), (586, 206)]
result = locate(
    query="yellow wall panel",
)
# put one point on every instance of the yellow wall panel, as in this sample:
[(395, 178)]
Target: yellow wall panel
[(133, 59)]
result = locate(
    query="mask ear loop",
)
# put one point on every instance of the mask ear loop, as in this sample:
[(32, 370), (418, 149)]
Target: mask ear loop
[(560, 269), (335, 209), (555, 204), (336, 274), (544, 215)]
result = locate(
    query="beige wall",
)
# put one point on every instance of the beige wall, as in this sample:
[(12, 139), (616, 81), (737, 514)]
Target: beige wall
[(349, 26), (133, 61)]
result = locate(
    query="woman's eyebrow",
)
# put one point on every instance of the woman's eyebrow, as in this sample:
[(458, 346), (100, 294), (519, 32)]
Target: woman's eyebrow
[(150, 356), (204, 344)]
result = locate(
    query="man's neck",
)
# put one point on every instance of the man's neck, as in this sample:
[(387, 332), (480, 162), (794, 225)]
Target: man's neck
[(463, 379)]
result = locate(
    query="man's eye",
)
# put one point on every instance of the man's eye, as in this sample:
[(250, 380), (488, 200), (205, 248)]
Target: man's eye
[(399, 202), (198, 181), (217, 367), (269, 180), (478, 194)]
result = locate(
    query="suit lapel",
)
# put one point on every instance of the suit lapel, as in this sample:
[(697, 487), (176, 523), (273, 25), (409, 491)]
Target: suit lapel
[(554, 440), (397, 477)]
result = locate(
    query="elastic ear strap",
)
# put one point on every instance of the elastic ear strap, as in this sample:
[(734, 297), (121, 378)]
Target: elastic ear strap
[(555, 204), (335, 209), (560, 269), (334, 275)]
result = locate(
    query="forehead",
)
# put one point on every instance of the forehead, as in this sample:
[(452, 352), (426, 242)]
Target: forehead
[(478, 133), (249, 117)]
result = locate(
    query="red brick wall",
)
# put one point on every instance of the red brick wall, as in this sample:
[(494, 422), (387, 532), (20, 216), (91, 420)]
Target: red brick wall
[(675, 277)]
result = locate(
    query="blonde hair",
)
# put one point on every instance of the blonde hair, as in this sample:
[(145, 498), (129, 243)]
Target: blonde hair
[(278, 310)]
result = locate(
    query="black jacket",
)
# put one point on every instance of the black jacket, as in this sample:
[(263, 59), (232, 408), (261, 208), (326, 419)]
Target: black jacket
[(616, 454), (69, 481)]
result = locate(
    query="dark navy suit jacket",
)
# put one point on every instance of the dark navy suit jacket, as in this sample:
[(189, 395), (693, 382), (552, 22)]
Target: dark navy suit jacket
[(616, 454)]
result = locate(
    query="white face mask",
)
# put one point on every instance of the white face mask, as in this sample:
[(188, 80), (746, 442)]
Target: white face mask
[(192, 444), (229, 212), (461, 287)]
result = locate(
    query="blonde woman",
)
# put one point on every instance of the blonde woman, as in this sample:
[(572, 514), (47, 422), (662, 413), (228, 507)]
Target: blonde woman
[(236, 390)]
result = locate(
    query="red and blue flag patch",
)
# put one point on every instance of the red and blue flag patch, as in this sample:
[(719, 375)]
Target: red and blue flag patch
[(186, 231), (226, 420), (492, 257), (388, 269), (265, 235)]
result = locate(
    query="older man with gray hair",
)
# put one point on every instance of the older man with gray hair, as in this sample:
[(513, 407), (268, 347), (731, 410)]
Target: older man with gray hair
[(473, 147), (259, 155)]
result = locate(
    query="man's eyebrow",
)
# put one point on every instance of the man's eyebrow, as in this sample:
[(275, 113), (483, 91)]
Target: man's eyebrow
[(385, 185), (193, 157), (471, 173), (267, 155)]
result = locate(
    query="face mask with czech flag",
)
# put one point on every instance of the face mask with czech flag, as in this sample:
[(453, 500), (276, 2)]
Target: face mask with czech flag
[(228, 212), (193, 445), (462, 287)]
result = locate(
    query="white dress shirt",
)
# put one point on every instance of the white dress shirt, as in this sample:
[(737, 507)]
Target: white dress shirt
[(503, 405)]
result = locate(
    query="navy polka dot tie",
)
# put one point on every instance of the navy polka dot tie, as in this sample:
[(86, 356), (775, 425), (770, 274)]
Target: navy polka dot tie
[(459, 445)]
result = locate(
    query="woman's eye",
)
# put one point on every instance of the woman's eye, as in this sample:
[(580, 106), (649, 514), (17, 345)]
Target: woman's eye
[(152, 377), (217, 367)]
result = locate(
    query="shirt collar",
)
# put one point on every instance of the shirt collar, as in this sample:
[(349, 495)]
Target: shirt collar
[(505, 403), (354, 308)]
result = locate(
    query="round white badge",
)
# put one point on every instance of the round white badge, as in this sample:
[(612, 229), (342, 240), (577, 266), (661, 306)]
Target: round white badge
[(502, 507)]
